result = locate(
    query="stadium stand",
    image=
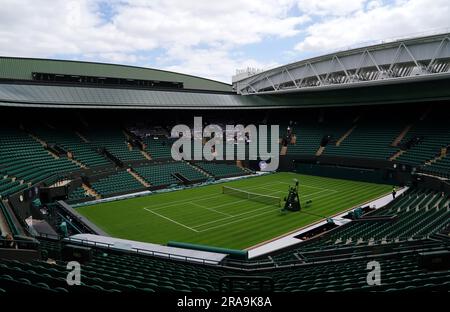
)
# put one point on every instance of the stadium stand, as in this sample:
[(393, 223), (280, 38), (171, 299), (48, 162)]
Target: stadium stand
[(118, 271), (121, 182), (24, 159), (114, 141), (416, 215), (11, 226), (221, 170), (97, 153), (72, 144), (431, 138), (79, 194), (160, 174), (440, 167), (367, 140), (158, 147)]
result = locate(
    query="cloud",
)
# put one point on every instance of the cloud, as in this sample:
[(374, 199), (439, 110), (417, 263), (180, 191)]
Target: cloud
[(203, 37), (210, 63), (330, 7), (377, 22), (81, 29)]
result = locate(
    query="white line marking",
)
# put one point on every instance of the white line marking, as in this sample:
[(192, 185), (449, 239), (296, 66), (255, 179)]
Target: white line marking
[(304, 185), (225, 224), (211, 209), (318, 193), (199, 198), (238, 215), (222, 225), (171, 220), (229, 216)]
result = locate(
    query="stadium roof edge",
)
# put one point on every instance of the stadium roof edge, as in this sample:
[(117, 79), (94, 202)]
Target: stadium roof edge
[(375, 46), (397, 59), (50, 96), (20, 68)]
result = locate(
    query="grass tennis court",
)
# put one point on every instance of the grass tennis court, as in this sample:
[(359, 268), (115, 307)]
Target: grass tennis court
[(204, 215)]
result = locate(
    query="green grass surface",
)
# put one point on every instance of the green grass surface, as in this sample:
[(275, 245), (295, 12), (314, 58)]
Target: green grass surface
[(206, 216)]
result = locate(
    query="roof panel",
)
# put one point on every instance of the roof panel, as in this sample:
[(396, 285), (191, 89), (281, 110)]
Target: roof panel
[(22, 69)]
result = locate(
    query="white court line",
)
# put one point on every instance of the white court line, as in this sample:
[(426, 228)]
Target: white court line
[(314, 198), (172, 220), (197, 226), (318, 193), (238, 215), (197, 199), (239, 220), (198, 205), (200, 198), (232, 203), (304, 185), (241, 214), (210, 209)]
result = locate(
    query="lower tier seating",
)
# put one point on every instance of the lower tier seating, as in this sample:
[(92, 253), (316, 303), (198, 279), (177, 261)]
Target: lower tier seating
[(221, 170), (159, 147), (79, 194), (116, 271), (163, 173), (120, 182), (416, 215)]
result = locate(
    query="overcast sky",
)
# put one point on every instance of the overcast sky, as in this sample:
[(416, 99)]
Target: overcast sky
[(209, 38)]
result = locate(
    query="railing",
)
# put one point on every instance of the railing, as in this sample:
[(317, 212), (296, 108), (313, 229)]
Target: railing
[(259, 265), (18, 243), (140, 251), (390, 249)]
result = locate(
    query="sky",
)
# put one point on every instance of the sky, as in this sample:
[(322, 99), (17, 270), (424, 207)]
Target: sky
[(208, 38)]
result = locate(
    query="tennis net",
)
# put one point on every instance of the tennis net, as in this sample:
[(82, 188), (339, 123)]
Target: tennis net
[(266, 199)]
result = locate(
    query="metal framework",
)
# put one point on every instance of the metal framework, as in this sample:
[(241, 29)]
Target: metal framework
[(416, 58)]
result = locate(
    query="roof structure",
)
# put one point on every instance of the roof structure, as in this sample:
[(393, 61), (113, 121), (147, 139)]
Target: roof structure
[(412, 70), (57, 96), (405, 60), (13, 68)]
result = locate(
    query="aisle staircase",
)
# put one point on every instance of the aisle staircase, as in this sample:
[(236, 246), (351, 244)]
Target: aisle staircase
[(138, 177), (345, 135), (402, 134), (91, 191)]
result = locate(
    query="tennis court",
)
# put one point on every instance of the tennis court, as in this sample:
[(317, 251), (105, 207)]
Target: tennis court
[(206, 215)]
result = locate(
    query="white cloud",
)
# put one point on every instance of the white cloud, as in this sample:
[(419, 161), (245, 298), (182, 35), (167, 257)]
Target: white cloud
[(209, 63), (330, 7), (203, 37), (46, 28), (378, 22)]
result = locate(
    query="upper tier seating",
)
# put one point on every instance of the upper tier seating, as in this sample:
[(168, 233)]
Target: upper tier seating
[(434, 136), (114, 140), (440, 167), (25, 159), (309, 136), (369, 139), (69, 141)]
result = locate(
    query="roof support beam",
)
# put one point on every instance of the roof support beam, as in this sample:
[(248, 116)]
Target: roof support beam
[(391, 60)]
